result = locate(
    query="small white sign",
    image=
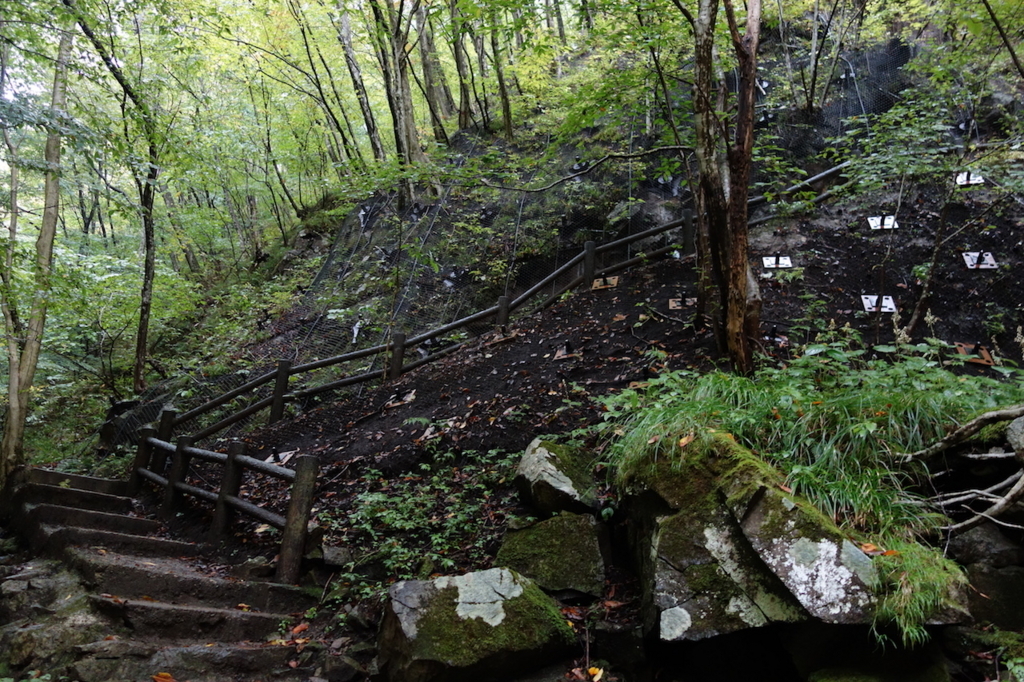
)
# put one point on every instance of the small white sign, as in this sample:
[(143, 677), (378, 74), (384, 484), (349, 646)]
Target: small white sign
[(883, 222), (777, 261), (871, 304), (967, 178), (977, 260)]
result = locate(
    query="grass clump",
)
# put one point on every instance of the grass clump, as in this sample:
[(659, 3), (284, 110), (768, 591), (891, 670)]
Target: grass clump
[(834, 422)]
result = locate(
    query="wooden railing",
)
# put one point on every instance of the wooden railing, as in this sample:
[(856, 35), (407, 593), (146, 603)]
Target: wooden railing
[(157, 447), (585, 262), (151, 464)]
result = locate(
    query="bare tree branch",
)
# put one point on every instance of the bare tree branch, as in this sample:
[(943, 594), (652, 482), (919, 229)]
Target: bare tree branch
[(1004, 503), (966, 431), (595, 164)]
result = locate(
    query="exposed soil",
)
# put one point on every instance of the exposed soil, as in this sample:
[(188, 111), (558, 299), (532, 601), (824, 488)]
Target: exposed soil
[(539, 376)]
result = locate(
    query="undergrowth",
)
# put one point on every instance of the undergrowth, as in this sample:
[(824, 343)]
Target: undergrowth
[(835, 422), (446, 515)]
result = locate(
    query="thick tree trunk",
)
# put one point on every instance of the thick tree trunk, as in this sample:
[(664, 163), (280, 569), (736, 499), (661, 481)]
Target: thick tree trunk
[(499, 71), (434, 82), (25, 342), (391, 28), (723, 160)]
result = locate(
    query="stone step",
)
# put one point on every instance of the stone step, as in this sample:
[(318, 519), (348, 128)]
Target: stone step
[(127, 660), (51, 539), (44, 493), (58, 515), (181, 582), (154, 619), (91, 483)]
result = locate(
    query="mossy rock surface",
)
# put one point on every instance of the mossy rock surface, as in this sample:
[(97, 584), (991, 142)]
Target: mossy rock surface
[(553, 478), (487, 625), (561, 553)]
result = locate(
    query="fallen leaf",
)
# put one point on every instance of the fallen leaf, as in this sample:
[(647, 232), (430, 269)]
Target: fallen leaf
[(618, 318), (686, 440), (653, 439), (785, 488), (596, 674)]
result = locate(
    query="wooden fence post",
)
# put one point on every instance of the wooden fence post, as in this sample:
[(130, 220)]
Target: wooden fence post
[(142, 456), (293, 543), (229, 485), (163, 432), (502, 318), (397, 355), (689, 245), (280, 388), (589, 264), (179, 469)]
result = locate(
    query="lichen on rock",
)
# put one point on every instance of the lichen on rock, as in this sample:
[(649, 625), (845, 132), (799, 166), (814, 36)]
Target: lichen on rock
[(488, 625), (554, 478)]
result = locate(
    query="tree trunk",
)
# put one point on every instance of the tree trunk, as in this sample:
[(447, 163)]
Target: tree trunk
[(499, 71), (25, 342), (461, 66), (434, 82), (391, 29), (344, 27), (724, 163)]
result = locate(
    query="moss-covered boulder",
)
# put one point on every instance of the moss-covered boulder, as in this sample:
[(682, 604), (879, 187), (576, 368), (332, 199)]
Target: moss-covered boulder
[(560, 554), (722, 547), (552, 478), (830, 576), (700, 577), (488, 625)]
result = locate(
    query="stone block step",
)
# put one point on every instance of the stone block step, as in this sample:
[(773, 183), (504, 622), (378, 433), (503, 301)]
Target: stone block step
[(187, 622), (180, 581), (58, 515), (98, 485), (44, 493), (127, 660), (51, 539)]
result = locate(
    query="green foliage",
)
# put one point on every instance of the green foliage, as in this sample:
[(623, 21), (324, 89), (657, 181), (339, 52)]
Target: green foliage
[(425, 523), (834, 422), (916, 583)]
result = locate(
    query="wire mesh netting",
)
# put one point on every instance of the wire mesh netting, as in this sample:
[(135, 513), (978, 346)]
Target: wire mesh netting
[(389, 268)]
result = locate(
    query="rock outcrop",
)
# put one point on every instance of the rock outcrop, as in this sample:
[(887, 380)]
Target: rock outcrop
[(561, 554), (552, 478), (490, 625), (723, 547)]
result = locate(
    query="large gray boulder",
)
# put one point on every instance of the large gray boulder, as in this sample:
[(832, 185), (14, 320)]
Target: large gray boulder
[(553, 478), (488, 625), (723, 547), (560, 554), (700, 578)]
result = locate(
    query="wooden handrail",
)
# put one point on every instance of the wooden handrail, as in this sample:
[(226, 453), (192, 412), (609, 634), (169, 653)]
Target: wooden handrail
[(387, 347), (303, 479)]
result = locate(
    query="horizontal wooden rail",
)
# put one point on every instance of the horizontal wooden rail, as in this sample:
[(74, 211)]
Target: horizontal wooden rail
[(267, 468), (224, 398), (257, 512), (151, 460), (500, 312)]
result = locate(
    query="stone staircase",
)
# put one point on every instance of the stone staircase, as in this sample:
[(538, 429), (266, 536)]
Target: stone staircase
[(108, 598)]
